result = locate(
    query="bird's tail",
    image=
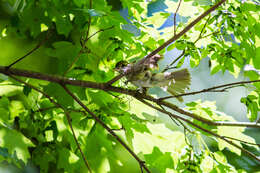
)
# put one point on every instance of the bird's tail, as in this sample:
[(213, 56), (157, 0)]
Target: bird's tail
[(182, 82)]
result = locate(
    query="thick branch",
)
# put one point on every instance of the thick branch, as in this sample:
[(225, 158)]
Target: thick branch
[(134, 93)]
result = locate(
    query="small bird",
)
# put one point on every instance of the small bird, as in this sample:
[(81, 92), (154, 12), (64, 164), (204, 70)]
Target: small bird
[(173, 82)]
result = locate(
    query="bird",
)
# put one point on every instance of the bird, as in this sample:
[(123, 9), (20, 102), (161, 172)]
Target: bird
[(142, 76)]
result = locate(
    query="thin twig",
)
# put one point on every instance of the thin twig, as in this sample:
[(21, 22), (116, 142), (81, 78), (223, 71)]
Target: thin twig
[(168, 67), (213, 33), (174, 18), (250, 143), (202, 30), (82, 50), (83, 44), (66, 113), (101, 30), (141, 163), (171, 40), (212, 89), (33, 50), (174, 61), (203, 129), (73, 62)]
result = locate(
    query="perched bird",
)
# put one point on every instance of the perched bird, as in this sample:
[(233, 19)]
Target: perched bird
[(143, 77)]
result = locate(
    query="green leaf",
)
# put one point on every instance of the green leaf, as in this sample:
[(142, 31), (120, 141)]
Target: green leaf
[(256, 59), (251, 102), (67, 160), (43, 157), (15, 142), (64, 25), (56, 91), (8, 89), (65, 52), (159, 160)]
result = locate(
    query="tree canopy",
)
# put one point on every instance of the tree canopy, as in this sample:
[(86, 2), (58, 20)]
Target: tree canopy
[(64, 107)]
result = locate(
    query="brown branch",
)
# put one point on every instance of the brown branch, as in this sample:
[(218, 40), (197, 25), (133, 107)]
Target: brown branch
[(250, 143), (168, 67), (174, 18), (186, 29), (101, 30), (115, 79), (141, 163), (67, 117), (201, 128), (213, 89), (171, 40), (33, 50), (134, 93)]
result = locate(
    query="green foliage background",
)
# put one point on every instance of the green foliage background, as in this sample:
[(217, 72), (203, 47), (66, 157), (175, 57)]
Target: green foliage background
[(35, 136)]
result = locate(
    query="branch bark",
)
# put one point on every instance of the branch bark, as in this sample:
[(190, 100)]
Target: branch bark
[(134, 93)]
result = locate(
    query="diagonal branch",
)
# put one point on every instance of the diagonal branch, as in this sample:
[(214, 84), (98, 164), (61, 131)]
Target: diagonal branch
[(168, 67), (141, 163), (101, 30), (171, 40), (201, 128), (174, 18), (33, 50), (67, 117)]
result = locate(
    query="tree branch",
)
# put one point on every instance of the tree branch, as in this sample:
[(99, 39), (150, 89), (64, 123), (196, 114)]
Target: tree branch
[(174, 18), (134, 93), (101, 30), (67, 117), (171, 40), (141, 163), (250, 143), (213, 89), (33, 50), (168, 67), (201, 128)]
